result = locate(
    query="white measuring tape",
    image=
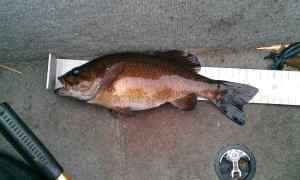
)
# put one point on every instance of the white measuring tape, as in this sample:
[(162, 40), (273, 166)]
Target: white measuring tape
[(275, 87)]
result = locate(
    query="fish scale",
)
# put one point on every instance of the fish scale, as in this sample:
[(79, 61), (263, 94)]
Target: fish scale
[(275, 87)]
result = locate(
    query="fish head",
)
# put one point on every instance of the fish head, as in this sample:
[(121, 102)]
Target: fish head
[(81, 82)]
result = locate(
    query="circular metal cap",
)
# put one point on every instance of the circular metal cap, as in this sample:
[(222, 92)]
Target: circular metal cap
[(235, 162)]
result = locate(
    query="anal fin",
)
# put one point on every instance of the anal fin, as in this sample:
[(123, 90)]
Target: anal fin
[(186, 103)]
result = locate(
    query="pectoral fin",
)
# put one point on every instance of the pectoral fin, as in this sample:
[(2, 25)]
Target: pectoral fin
[(111, 75), (186, 103)]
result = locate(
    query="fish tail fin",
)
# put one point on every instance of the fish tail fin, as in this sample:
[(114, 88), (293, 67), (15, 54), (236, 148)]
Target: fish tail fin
[(233, 97)]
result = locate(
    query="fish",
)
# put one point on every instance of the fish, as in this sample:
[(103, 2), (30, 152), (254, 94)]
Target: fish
[(129, 82)]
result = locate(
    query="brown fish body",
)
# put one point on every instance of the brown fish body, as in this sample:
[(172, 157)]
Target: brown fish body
[(143, 85), (132, 81)]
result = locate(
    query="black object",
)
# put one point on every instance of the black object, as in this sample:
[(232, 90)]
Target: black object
[(27, 144), (224, 165), (280, 58), (13, 169)]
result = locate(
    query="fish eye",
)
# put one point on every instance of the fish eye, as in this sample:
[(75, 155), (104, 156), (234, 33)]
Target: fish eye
[(75, 72)]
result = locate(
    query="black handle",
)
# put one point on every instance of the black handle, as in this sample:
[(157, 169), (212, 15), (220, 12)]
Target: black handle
[(27, 144)]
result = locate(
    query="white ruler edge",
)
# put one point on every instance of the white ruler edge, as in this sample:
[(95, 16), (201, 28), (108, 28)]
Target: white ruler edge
[(275, 87)]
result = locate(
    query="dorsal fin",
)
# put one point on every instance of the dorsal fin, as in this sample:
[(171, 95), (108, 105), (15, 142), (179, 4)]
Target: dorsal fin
[(176, 57), (180, 58)]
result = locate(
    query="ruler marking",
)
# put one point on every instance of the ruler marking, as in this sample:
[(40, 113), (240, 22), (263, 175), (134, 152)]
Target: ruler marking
[(274, 87)]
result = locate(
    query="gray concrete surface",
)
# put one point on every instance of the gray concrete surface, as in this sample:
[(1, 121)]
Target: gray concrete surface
[(84, 29), (160, 144)]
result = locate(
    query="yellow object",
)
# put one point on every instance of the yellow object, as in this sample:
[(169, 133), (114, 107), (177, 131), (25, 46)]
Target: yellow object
[(277, 47), (294, 62), (63, 177)]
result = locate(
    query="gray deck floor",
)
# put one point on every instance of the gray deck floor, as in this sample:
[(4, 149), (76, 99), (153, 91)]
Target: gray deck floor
[(160, 144)]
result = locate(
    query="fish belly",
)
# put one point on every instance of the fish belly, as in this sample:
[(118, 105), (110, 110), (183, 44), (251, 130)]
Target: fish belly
[(136, 93)]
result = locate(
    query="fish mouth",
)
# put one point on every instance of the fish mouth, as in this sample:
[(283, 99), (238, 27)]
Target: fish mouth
[(61, 91)]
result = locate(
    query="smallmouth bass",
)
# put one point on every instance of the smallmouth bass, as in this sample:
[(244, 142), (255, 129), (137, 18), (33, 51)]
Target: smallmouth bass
[(128, 82)]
